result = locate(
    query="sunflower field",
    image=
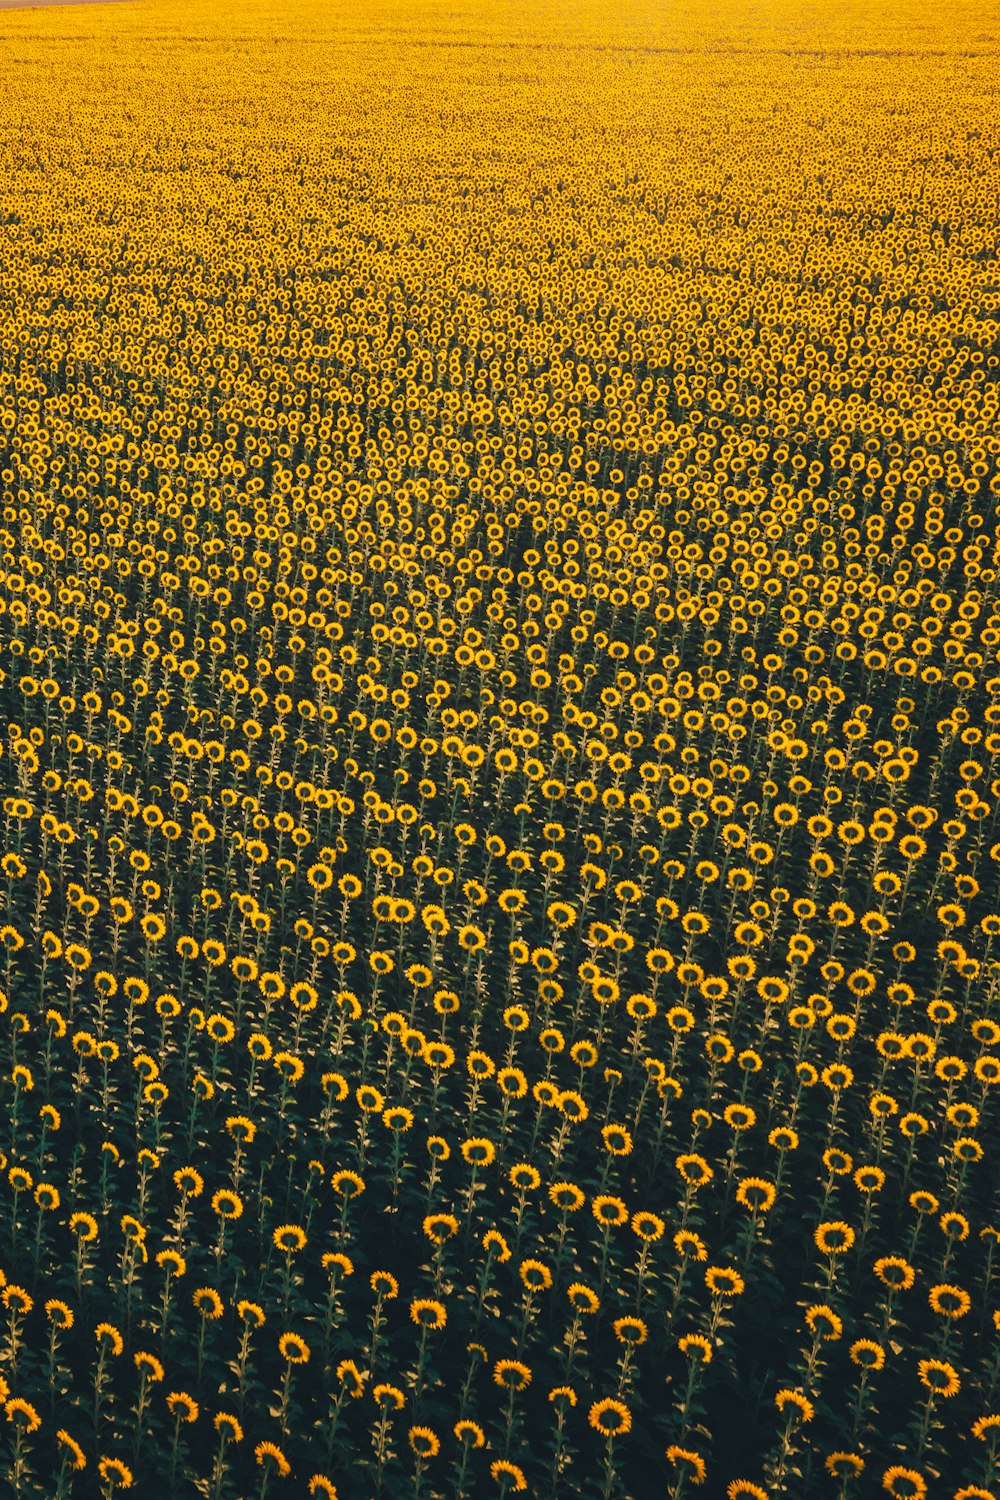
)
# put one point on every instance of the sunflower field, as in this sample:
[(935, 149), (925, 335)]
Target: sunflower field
[(500, 728)]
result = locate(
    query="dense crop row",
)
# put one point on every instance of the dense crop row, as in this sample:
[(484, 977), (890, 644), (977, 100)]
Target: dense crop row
[(499, 658)]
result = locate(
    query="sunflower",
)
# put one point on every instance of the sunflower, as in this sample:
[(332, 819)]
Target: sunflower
[(333, 1083), (293, 1349), (756, 1193), (182, 1406), (535, 1276), (74, 1453), (687, 1462), (334, 1261), (512, 1082), (582, 1297), (424, 1442), (440, 1227), (22, 1414), (869, 1355), (844, 1465), (351, 1378), (904, 1484), (797, 1402), (630, 1330), (480, 1065), (572, 1107), (690, 1245), (478, 1151), (609, 1211), (503, 1468), (939, 1376), (722, 1281), (149, 1366), (289, 1238), (227, 1205), (679, 1019), (270, 1453), (954, 1225), (823, 1321), (171, 1262), (428, 1313), (107, 1334), (895, 1272), (611, 1418), (58, 1313), (115, 1474), (869, 1179), (951, 1302), (834, 1237), (648, 1226), (617, 1140), (320, 1485), (347, 1184), (694, 1169), (512, 1374), (208, 1302), (838, 1163), (495, 1245)]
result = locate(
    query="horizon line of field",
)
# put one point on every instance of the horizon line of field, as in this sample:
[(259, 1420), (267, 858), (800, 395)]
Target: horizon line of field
[(50, 4)]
